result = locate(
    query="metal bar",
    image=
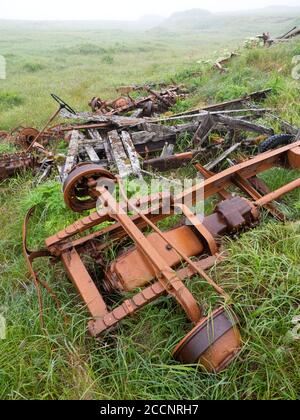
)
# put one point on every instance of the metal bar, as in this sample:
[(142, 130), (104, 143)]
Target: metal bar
[(43, 130), (223, 156), (204, 113), (144, 298), (165, 274), (278, 193), (247, 188), (84, 284), (214, 185), (247, 170)]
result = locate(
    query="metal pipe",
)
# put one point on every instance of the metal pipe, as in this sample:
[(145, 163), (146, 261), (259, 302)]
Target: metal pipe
[(278, 193), (43, 130)]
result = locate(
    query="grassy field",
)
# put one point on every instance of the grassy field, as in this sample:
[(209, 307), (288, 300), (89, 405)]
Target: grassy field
[(261, 273)]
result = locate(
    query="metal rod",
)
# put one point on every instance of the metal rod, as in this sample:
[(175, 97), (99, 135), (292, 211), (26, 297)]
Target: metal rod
[(203, 113), (198, 270), (278, 193), (43, 130)]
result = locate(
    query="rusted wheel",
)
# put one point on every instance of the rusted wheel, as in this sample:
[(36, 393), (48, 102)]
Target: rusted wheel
[(95, 104), (27, 136), (79, 196), (213, 343), (3, 135)]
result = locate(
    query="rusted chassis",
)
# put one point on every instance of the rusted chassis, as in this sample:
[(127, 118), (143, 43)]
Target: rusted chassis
[(158, 264), (12, 164)]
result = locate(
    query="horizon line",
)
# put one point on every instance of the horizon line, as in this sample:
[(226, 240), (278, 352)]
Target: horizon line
[(11, 19)]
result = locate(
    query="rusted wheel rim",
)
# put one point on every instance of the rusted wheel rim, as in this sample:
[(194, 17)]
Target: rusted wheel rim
[(78, 195), (27, 135), (3, 134), (95, 104), (213, 343)]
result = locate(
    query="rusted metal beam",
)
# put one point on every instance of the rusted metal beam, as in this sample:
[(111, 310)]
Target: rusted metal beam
[(160, 262), (84, 284), (11, 164)]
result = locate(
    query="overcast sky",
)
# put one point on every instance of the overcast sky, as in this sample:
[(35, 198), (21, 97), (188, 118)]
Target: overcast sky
[(119, 9)]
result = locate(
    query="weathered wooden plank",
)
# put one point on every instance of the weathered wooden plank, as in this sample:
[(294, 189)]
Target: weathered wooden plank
[(95, 135), (119, 155), (168, 150), (203, 131), (72, 153), (132, 154), (239, 124), (92, 154), (255, 96), (110, 121), (223, 156)]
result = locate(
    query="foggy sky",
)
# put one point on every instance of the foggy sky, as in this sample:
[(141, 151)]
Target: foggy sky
[(120, 9)]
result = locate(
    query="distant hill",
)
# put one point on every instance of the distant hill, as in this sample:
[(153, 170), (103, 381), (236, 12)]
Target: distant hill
[(189, 18), (275, 20), (202, 24), (280, 9)]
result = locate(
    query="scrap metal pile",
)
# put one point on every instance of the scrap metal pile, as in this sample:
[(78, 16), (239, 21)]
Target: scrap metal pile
[(130, 144), (107, 146), (153, 104), (151, 265)]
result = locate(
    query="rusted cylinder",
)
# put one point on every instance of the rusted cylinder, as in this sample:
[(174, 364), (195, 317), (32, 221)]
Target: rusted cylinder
[(278, 193), (213, 343)]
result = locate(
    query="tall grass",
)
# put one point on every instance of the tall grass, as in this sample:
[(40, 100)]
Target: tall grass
[(135, 362)]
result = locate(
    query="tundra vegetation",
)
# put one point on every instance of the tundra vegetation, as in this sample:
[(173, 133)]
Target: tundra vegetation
[(81, 60)]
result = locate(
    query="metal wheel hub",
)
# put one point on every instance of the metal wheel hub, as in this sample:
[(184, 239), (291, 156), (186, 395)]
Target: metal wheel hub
[(213, 343), (78, 194)]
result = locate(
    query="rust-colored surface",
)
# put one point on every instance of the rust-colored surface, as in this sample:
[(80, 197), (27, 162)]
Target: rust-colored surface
[(133, 270), (11, 164), (294, 158), (156, 102), (214, 342), (26, 136), (3, 135), (159, 263), (78, 195), (84, 284)]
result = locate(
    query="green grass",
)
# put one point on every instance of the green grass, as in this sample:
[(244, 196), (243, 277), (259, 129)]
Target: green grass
[(261, 272)]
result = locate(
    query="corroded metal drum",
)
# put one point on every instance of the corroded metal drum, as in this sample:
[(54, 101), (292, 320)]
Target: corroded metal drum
[(213, 343)]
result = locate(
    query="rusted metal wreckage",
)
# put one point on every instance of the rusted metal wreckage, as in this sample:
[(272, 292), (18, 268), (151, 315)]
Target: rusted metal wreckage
[(155, 103), (33, 143), (10, 164), (130, 145), (269, 41), (160, 262)]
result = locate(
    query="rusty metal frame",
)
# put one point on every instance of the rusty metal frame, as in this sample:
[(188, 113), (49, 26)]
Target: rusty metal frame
[(232, 214)]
